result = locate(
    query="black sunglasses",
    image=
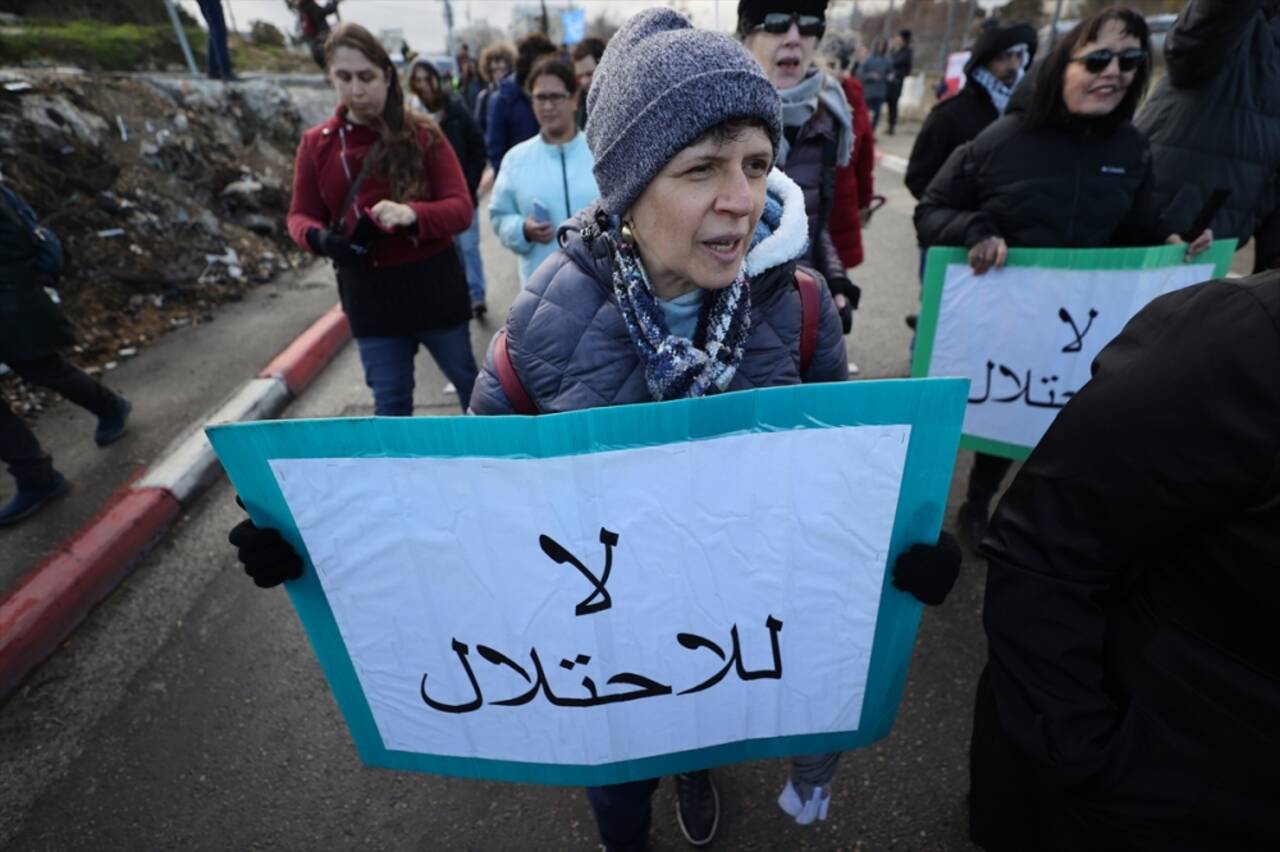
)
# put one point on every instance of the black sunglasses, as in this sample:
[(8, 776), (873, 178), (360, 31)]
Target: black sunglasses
[(778, 23), (1100, 60)]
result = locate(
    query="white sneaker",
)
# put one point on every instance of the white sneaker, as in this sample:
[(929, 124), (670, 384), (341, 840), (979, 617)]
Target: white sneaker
[(853, 369), (805, 813), (449, 388)]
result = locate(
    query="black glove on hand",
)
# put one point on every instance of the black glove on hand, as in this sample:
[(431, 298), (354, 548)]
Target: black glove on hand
[(267, 558), (928, 571), (336, 247), (852, 293), (367, 232)]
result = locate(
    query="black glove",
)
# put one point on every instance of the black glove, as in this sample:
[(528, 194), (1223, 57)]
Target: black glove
[(267, 558), (336, 247), (852, 293), (928, 571)]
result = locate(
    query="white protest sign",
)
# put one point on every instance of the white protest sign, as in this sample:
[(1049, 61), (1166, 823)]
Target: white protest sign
[(658, 616), (615, 593), (1026, 335)]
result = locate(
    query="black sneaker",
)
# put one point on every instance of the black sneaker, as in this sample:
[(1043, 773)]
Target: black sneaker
[(112, 427), (28, 501), (479, 309), (912, 320), (697, 807)]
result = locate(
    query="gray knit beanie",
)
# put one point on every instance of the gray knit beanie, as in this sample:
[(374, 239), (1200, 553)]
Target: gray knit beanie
[(661, 85)]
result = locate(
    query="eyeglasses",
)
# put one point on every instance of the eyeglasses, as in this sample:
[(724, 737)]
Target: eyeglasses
[(1100, 60), (778, 23), (551, 98)]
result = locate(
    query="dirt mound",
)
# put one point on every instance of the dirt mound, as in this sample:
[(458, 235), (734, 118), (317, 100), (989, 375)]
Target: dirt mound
[(169, 195)]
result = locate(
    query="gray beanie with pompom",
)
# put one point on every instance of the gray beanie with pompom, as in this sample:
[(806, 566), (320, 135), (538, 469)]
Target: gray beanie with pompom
[(661, 85)]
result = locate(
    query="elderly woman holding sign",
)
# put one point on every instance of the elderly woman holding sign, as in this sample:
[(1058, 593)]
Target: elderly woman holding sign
[(1070, 171), (679, 281)]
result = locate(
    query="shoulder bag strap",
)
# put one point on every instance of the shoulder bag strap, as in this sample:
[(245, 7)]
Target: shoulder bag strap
[(511, 384), (807, 286)]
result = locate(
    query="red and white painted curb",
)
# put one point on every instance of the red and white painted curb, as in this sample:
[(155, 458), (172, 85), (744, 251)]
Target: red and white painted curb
[(55, 596)]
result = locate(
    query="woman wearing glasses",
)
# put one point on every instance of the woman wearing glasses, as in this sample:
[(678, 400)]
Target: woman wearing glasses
[(546, 179), (1071, 171), (817, 132)]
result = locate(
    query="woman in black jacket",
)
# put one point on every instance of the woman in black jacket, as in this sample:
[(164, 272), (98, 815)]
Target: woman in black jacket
[(1070, 172)]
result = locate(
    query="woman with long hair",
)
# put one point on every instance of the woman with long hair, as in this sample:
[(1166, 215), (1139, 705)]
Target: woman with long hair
[(378, 190), (1068, 171)]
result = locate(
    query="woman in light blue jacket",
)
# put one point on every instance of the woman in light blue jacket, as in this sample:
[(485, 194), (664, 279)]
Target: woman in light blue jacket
[(546, 179)]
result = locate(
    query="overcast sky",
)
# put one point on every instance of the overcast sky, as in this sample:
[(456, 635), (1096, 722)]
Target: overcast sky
[(423, 20)]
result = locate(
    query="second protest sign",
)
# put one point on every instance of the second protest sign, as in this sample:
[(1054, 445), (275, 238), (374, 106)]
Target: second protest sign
[(1026, 335)]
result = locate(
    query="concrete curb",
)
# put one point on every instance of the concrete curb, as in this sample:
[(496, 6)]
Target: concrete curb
[(56, 595)]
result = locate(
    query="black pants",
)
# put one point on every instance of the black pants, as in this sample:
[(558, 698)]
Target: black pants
[(986, 476), (891, 102), (622, 813), (19, 449)]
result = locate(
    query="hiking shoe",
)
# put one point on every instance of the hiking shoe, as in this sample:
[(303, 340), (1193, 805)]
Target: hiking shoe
[(697, 807), (28, 501), (112, 427)]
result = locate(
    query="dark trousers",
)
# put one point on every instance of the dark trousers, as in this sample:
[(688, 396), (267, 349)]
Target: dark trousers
[(219, 56), (19, 449), (388, 366), (891, 101), (874, 105), (986, 476), (622, 813)]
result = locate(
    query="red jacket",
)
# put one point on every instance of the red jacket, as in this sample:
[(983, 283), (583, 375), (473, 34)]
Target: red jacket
[(855, 183), (321, 181)]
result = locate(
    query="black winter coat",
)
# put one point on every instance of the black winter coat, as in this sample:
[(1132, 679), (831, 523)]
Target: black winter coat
[(1060, 187), (811, 163), (949, 125), (466, 140), (1214, 120), (1132, 694), (31, 326)]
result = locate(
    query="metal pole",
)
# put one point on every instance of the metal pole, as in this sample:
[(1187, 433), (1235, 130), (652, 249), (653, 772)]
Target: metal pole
[(888, 20), (968, 22), (946, 35), (1053, 27), (182, 38), (232, 16)]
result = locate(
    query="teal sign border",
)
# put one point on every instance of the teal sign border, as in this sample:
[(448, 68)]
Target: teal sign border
[(933, 407), (939, 258)]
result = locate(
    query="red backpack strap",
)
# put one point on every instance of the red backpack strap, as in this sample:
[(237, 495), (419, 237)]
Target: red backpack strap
[(511, 384), (810, 299)]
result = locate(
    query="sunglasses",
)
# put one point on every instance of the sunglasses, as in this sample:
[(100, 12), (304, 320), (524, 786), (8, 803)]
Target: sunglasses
[(777, 23), (1100, 60)]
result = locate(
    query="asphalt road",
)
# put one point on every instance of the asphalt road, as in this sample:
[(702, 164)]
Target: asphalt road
[(190, 713)]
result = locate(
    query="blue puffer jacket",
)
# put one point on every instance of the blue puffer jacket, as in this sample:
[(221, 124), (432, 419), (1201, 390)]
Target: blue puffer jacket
[(569, 344)]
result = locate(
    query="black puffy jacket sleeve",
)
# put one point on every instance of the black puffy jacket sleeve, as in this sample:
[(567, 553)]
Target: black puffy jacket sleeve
[(1145, 224), (935, 142), (1178, 429), (949, 213), (1204, 38)]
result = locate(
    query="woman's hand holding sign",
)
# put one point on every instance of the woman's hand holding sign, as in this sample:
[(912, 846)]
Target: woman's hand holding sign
[(990, 253)]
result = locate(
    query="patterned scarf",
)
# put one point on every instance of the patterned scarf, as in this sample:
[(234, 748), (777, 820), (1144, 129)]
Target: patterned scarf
[(676, 367), (800, 102), (999, 92)]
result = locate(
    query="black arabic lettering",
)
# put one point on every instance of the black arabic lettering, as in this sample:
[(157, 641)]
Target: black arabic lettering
[(1022, 388), (560, 556), (987, 392), (693, 642), (1077, 344), (462, 651)]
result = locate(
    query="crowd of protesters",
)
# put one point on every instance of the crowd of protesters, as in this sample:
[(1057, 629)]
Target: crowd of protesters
[(681, 196)]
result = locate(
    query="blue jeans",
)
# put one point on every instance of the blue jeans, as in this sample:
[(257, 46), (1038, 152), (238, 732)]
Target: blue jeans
[(874, 105), (388, 366), (468, 243), (218, 56)]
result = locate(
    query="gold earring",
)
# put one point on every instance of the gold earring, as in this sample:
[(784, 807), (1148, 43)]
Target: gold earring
[(628, 234)]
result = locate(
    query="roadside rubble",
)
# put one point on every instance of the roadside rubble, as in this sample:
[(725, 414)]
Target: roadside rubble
[(169, 195)]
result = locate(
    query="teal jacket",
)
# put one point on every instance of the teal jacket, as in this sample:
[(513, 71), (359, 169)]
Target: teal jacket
[(557, 175)]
